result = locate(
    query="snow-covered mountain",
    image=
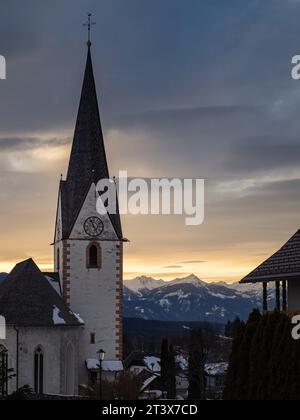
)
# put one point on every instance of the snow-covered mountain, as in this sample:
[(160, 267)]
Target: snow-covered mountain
[(140, 284), (190, 299)]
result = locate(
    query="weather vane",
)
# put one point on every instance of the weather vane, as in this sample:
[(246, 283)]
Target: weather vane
[(89, 25)]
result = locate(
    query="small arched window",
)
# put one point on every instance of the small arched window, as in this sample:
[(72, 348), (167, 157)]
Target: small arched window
[(93, 256), (38, 370)]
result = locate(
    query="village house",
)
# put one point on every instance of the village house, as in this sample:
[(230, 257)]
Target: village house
[(283, 269)]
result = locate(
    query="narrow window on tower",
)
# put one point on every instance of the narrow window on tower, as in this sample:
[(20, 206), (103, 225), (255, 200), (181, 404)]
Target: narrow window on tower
[(93, 256), (58, 259), (93, 338)]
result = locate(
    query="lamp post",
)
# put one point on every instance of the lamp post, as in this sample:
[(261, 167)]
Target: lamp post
[(101, 356)]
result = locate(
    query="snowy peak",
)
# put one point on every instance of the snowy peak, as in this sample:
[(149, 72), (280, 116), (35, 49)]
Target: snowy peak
[(192, 279), (143, 283)]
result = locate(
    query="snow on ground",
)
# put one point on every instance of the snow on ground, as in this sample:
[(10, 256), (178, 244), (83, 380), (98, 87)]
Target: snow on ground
[(165, 303), (221, 296), (179, 293)]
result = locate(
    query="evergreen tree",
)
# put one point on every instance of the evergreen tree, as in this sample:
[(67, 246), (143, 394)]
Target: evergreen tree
[(171, 373), (277, 362), (265, 360), (242, 383), (164, 360), (266, 375), (255, 358), (230, 391), (228, 329), (291, 367), (196, 389)]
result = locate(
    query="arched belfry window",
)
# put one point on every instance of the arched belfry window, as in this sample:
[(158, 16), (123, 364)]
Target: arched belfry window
[(93, 256), (39, 370)]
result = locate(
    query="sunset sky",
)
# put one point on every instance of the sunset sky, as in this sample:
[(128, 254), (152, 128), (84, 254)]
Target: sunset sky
[(197, 88)]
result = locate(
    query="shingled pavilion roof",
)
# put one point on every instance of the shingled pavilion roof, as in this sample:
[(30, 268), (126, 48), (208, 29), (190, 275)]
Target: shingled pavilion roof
[(28, 300), (283, 265)]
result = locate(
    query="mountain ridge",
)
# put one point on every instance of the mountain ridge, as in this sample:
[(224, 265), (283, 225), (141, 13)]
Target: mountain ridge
[(191, 299)]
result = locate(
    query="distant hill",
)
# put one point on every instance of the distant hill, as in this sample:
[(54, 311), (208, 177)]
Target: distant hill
[(137, 327), (2, 277), (190, 300)]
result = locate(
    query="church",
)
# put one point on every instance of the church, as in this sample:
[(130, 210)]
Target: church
[(57, 322)]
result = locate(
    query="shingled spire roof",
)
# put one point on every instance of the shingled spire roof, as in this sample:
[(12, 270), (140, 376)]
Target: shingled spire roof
[(88, 158), (283, 265), (88, 161)]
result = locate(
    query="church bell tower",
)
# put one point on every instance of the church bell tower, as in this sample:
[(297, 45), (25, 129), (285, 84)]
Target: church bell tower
[(88, 247)]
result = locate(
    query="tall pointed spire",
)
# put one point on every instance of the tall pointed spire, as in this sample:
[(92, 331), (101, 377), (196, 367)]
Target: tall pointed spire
[(88, 158), (88, 163)]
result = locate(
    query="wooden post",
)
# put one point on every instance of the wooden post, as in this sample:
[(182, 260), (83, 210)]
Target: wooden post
[(284, 295), (278, 305), (265, 297)]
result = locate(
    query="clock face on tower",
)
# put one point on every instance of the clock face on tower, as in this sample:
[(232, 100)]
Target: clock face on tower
[(93, 226)]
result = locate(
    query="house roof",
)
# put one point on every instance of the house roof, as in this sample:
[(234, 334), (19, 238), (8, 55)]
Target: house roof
[(149, 381), (216, 369), (107, 365), (136, 358), (28, 299), (54, 281), (88, 163), (283, 265), (153, 363)]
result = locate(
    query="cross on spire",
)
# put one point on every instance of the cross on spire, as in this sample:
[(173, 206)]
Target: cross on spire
[(89, 25)]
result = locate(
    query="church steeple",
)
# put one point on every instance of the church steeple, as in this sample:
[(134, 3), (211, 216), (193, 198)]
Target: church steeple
[(88, 158), (88, 246), (88, 163)]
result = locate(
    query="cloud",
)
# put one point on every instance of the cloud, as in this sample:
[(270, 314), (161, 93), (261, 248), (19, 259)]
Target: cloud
[(30, 143), (206, 94), (264, 153), (173, 266)]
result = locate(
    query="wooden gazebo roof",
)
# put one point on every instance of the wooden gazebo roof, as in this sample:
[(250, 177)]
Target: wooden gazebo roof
[(283, 265)]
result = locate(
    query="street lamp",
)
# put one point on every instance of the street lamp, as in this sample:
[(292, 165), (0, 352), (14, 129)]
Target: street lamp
[(101, 356)]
